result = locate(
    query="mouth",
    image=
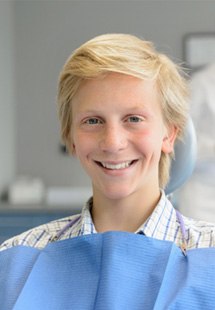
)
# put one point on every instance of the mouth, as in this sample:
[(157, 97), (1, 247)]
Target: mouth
[(116, 166)]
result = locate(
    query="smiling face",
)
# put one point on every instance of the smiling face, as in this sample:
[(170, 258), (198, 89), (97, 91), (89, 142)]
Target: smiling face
[(118, 134)]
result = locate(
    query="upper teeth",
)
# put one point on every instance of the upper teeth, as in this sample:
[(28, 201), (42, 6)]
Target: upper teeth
[(117, 166)]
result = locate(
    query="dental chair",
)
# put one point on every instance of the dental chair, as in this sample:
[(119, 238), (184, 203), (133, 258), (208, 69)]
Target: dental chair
[(184, 161)]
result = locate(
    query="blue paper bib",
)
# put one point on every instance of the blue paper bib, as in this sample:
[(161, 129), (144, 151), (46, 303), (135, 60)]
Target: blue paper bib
[(110, 271)]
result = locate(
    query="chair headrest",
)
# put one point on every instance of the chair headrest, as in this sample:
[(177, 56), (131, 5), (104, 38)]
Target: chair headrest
[(185, 159)]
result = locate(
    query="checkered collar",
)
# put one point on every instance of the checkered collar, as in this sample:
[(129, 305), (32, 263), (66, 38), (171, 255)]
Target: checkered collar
[(155, 226)]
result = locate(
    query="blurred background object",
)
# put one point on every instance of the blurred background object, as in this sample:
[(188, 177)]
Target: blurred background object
[(197, 197), (199, 49), (26, 191)]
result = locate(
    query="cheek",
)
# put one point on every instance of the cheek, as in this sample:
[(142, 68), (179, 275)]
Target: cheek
[(149, 141), (83, 145)]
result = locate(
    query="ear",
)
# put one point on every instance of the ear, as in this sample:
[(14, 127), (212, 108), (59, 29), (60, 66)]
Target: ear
[(169, 140), (71, 144), (71, 148)]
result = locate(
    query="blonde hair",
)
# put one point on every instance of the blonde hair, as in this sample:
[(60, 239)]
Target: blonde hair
[(126, 54)]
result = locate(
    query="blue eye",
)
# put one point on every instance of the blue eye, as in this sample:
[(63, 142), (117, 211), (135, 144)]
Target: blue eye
[(93, 121), (134, 119)]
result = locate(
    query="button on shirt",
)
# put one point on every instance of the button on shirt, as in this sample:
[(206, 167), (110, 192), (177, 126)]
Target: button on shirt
[(162, 224)]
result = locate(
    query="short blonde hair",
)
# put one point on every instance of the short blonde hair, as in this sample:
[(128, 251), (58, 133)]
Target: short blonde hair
[(126, 54)]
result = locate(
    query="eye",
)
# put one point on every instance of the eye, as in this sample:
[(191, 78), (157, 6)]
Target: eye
[(134, 119), (93, 121)]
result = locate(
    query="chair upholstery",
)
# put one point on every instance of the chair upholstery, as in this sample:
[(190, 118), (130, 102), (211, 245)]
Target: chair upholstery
[(185, 158)]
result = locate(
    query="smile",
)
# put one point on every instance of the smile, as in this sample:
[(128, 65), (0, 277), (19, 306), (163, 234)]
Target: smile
[(117, 166)]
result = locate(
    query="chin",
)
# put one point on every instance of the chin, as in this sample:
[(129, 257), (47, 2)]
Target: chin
[(117, 194)]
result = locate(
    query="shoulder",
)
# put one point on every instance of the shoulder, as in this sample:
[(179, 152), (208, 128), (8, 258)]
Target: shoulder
[(40, 236), (200, 234)]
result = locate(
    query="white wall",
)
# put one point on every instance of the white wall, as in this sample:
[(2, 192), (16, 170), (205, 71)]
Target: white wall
[(7, 94)]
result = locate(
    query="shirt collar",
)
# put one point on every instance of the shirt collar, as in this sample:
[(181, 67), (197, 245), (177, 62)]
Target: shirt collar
[(87, 225), (155, 226), (162, 222)]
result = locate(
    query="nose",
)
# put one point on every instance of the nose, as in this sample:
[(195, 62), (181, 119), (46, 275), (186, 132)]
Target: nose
[(113, 139)]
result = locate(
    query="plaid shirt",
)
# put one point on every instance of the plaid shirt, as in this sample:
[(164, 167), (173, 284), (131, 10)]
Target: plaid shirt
[(163, 224)]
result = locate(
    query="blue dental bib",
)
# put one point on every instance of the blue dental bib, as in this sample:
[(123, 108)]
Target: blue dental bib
[(109, 271)]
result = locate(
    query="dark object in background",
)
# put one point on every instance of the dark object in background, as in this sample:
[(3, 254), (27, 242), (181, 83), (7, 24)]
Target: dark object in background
[(63, 149)]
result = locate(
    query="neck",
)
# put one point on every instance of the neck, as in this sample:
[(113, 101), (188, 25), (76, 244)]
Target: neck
[(126, 214)]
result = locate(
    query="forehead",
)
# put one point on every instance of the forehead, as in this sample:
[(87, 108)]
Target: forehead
[(115, 88)]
